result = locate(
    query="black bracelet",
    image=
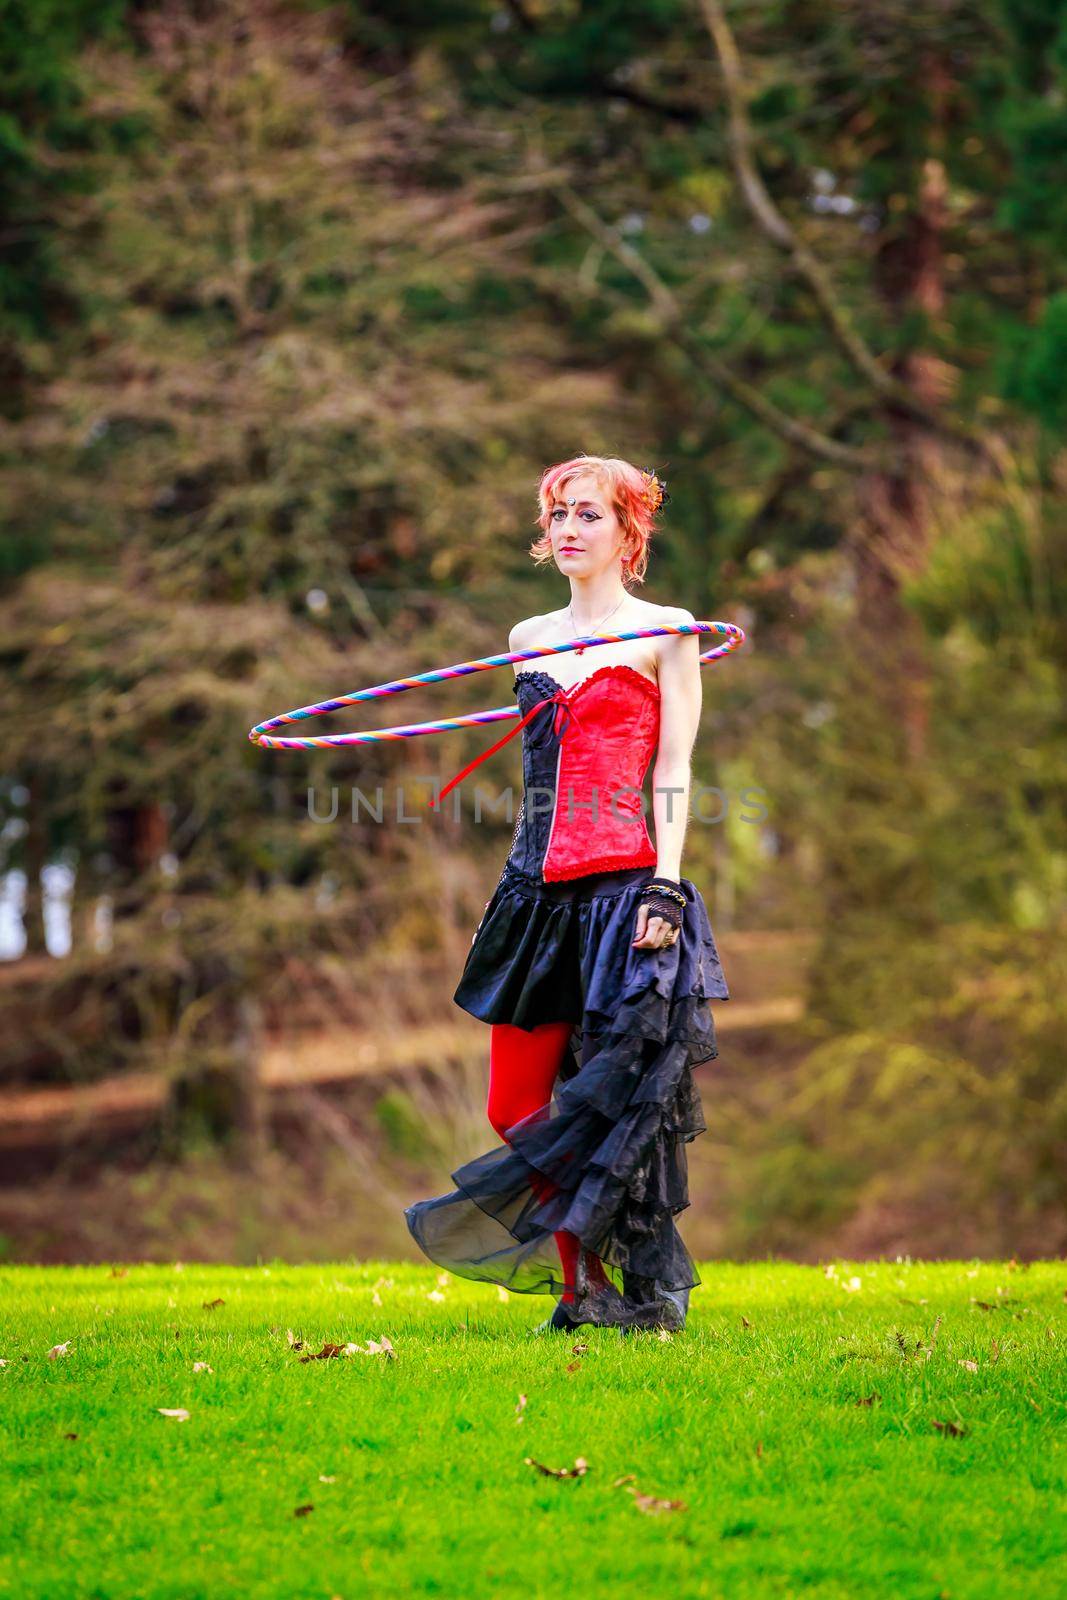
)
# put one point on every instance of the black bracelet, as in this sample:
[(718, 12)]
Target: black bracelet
[(664, 898), (668, 888)]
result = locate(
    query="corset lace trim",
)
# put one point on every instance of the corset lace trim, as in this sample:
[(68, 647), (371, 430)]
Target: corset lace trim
[(601, 672)]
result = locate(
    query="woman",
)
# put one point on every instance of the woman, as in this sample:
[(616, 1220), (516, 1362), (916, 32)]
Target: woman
[(594, 959)]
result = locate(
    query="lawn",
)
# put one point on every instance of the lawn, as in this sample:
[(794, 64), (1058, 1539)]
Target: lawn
[(883, 1429)]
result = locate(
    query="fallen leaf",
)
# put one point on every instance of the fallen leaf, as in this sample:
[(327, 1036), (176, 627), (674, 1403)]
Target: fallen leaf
[(179, 1415), (579, 1469), (651, 1506), (211, 1305), (572, 1366), (302, 1511), (745, 1322), (293, 1341), (972, 1366), (327, 1353), (58, 1350), (952, 1428), (626, 1478), (70, 1436), (866, 1400)]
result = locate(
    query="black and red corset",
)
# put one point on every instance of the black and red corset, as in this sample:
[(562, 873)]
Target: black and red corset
[(585, 753)]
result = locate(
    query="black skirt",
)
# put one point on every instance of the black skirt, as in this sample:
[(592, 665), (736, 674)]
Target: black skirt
[(613, 1136)]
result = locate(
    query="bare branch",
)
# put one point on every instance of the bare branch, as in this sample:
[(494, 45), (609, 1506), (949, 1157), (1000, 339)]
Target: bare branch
[(805, 264), (676, 329)]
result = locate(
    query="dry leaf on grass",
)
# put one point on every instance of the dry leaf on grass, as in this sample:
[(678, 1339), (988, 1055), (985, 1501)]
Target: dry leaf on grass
[(178, 1415), (373, 1347), (212, 1305), (651, 1506), (648, 1503), (327, 1353), (302, 1511), (579, 1469), (58, 1350), (952, 1428)]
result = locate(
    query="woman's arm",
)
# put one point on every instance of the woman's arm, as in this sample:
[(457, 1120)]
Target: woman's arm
[(681, 696)]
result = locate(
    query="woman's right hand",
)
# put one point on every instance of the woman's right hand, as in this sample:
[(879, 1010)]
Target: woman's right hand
[(652, 932)]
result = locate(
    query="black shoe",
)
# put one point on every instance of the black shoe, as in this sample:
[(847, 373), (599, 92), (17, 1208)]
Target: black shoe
[(561, 1321)]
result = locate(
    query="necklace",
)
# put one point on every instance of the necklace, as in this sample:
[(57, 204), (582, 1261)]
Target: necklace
[(596, 626)]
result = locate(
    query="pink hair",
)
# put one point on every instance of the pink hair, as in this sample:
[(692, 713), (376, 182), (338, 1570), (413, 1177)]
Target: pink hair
[(626, 488)]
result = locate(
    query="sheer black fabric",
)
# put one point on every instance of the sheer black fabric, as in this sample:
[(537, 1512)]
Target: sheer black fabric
[(613, 1137)]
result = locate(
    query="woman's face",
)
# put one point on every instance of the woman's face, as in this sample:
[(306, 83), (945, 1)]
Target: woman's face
[(587, 536)]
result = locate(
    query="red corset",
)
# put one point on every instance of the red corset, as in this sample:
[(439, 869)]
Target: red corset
[(607, 727)]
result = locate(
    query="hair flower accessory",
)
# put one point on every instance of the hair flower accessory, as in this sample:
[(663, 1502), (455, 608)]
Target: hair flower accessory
[(655, 490)]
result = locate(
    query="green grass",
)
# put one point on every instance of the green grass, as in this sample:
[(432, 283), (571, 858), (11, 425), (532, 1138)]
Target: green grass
[(752, 1417)]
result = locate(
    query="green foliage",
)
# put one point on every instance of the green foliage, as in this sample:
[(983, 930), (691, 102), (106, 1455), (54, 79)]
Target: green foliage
[(401, 1123), (45, 123), (1033, 364)]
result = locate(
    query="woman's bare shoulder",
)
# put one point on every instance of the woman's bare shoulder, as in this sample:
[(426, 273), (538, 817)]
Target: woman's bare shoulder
[(670, 614), (533, 630)]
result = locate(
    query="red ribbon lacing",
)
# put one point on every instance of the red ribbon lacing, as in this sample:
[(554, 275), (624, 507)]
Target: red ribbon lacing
[(562, 699)]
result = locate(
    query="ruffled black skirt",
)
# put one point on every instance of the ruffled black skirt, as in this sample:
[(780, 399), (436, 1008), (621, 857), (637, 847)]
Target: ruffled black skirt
[(613, 1137)]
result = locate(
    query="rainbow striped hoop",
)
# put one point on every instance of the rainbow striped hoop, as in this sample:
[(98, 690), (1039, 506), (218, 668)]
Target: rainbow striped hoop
[(261, 734)]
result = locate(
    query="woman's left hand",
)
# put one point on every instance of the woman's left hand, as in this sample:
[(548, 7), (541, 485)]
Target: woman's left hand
[(653, 933)]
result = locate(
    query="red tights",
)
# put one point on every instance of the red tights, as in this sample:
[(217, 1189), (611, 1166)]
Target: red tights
[(523, 1065)]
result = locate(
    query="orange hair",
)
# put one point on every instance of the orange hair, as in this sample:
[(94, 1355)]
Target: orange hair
[(636, 496)]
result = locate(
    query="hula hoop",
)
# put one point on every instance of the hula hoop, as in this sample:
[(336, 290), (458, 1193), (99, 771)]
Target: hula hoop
[(260, 734)]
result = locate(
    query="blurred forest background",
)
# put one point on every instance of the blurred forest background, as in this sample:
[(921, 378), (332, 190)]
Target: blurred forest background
[(296, 303)]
